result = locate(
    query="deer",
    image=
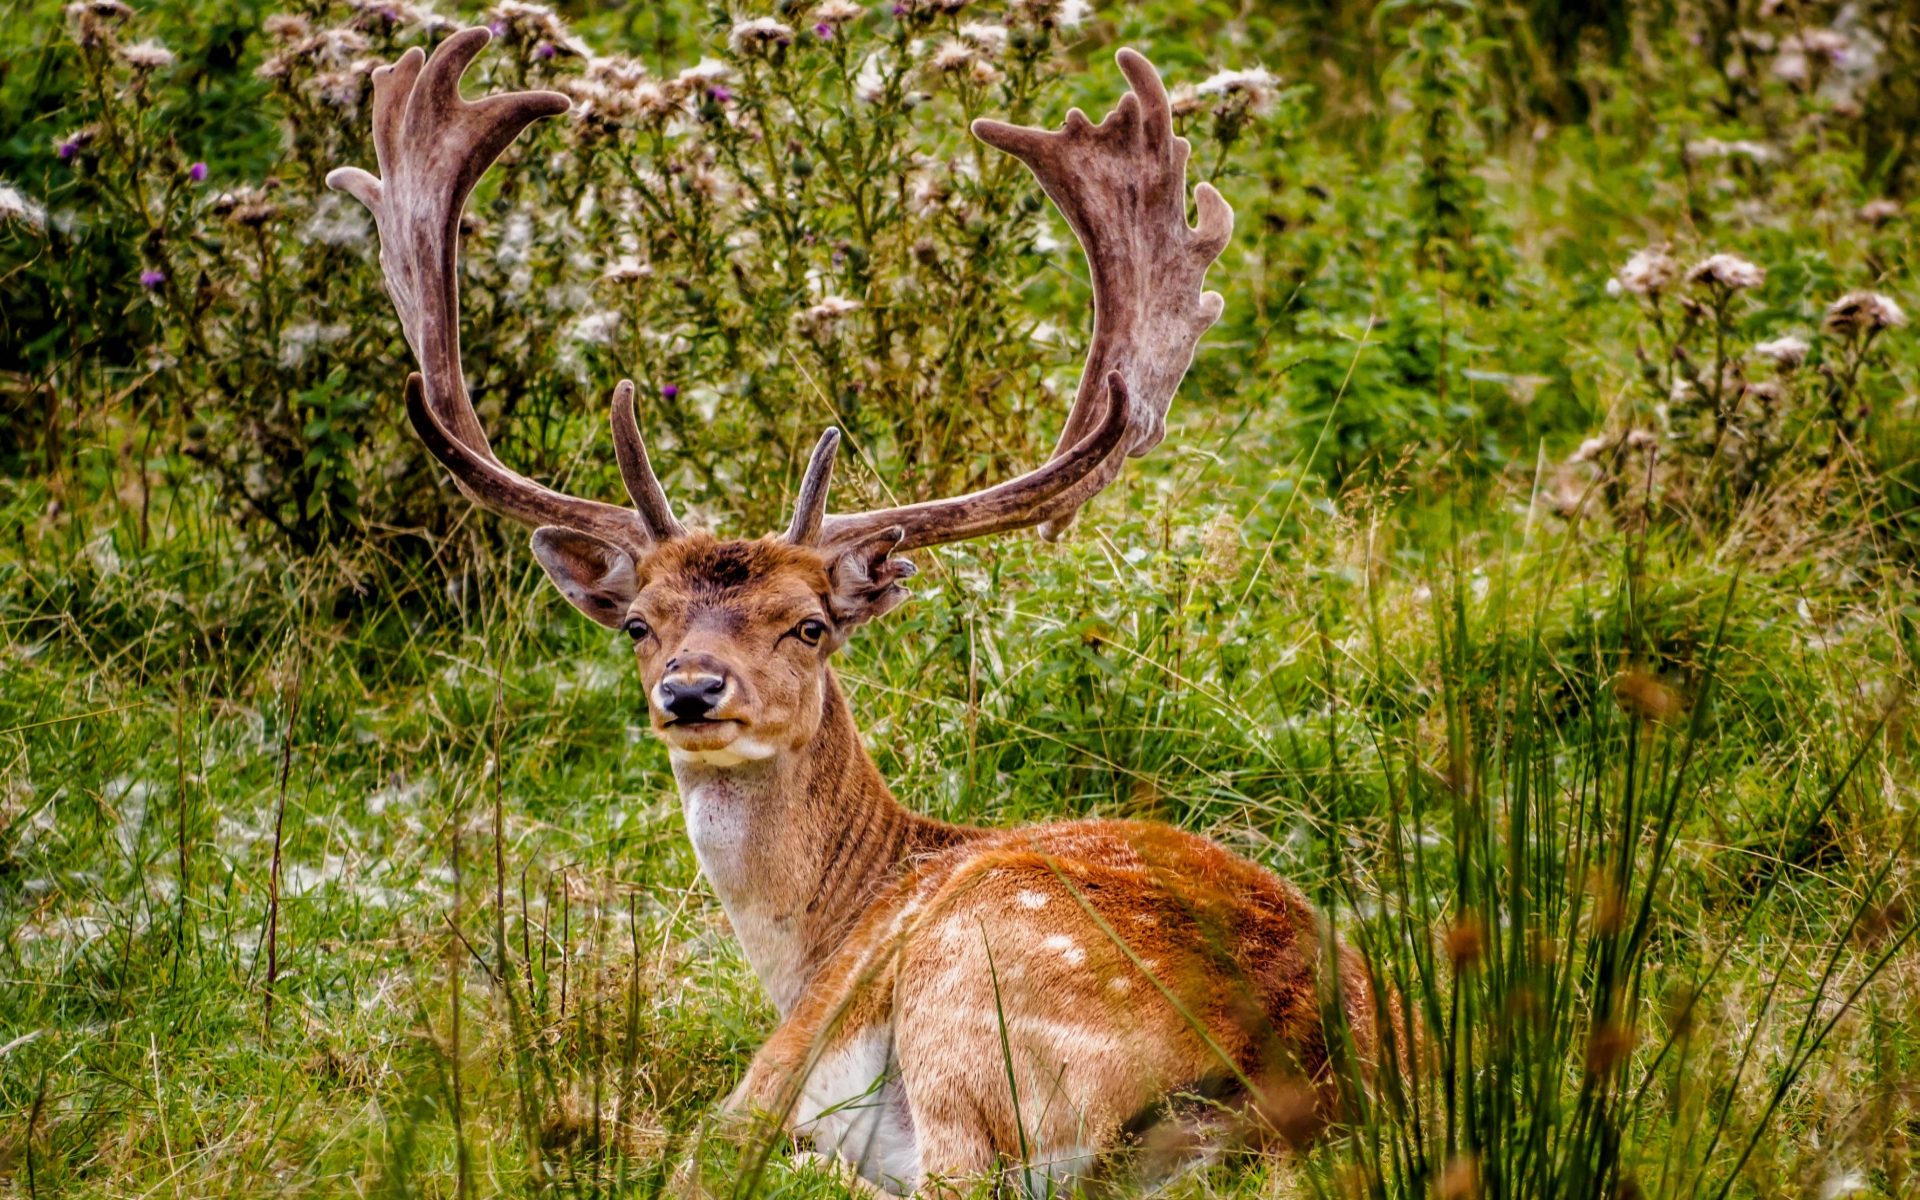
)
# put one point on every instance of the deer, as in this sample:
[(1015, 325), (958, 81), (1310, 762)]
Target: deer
[(954, 1002)]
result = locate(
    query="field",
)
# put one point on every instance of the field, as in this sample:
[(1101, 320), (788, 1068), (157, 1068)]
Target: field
[(1527, 573)]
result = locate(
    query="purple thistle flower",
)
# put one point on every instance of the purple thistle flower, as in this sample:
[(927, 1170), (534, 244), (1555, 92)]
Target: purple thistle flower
[(197, 172), (498, 29), (544, 50), (669, 391), (823, 31), (152, 279), (66, 150), (899, 10), (719, 95)]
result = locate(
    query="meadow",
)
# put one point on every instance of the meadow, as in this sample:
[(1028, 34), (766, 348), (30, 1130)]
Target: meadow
[(1527, 573)]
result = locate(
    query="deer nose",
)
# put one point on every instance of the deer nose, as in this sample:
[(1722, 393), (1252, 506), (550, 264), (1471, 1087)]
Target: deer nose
[(691, 698)]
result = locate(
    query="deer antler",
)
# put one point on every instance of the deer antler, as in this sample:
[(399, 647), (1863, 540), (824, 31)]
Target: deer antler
[(1121, 185), (433, 147)]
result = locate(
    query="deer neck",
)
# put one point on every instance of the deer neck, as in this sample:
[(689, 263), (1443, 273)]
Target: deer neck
[(797, 845)]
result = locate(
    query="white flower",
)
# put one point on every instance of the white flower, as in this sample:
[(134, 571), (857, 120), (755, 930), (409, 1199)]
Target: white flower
[(1880, 209), (1715, 148), (1590, 449), (1729, 271), (759, 35), (1785, 353), (1790, 66), (146, 56), (991, 38), (953, 55), (1648, 273), (706, 71), (1071, 14), (823, 319), (531, 22), (296, 341), (16, 207), (839, 12), (871, 83), (1843, 1184), (1255, 86), (595, 329), (1863, 312), (627, 269)]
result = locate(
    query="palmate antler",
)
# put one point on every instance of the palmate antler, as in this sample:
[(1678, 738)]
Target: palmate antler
[(1121, 185)]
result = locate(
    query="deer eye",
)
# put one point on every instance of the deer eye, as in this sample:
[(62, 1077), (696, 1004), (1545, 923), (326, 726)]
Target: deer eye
[(811, 631), (636, 629)]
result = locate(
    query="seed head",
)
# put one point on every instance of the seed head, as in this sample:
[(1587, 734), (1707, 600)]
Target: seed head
[(759, 36), (1785, 353), (1863, 312), (1648, 273), (1728, 271)]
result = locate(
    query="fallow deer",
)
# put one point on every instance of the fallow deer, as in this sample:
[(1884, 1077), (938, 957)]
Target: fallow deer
[(952, 999)]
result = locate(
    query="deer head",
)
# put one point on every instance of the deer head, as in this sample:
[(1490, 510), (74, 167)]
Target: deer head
[(733, 637)]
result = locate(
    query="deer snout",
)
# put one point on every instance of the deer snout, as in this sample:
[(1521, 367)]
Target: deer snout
[(693, 687)]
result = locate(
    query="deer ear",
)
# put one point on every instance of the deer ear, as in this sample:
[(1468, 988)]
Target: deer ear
[(596, 577), (866, 582)]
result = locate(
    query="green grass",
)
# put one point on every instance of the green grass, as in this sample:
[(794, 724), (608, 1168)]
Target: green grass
[(512, 973)]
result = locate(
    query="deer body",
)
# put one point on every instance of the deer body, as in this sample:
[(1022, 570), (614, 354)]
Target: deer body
[(952, 1000)]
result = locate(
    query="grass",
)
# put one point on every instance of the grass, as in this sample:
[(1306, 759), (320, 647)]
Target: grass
[(402, 904)]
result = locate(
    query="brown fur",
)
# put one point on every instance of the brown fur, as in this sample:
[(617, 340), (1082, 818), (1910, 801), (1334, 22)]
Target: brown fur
[(1200, 973)]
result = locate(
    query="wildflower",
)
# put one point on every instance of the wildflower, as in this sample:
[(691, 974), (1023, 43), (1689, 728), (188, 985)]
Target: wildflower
[(669, 391), (67, 147), (151, 278), (1591, 449), (287, 27), (823, 31), (1071, 14), (112, 10), (526, 22), (544, 51), (1253, 87), (1880, 209), (1785, 353), (823, 319), (1729, 271), (1863, 312), (627, 270), (297, 341), (1648, 273), (146, 56), (706, 72), (1851, 1182), (759, 36), (871, 82), (16, 207), (838, 12), (990, 38), (1707, 148), (596, 329), (1185, 101), (950, 57)]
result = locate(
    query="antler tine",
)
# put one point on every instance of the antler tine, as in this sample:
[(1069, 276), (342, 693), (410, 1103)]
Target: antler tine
[(811, 506), (432, 147), (643, 486), (1121, 185)]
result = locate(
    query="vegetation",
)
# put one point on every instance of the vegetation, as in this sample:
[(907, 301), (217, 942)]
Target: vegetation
[(1527, 572)]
